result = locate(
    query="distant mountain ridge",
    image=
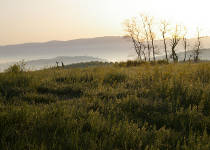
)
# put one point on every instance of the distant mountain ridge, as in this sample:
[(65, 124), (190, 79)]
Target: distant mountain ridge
[(46, 63), (40, 63), (110, 48)]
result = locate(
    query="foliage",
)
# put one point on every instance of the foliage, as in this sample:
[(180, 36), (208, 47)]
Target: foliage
[(17, 68)]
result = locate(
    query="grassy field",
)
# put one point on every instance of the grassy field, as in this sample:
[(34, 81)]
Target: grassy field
[(121, 107)]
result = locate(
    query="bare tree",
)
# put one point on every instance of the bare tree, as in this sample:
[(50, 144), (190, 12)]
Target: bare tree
[(134, 33), (142, 35), (57, 63), (144, 20), (185, 43), (189, 59), (151, 34), (164, 29), (62, 64), (175, 38), (143, 52), (196, 52)]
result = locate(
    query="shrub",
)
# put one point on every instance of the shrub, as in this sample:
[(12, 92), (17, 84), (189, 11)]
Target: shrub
[(17, 68), (162, 62), (131, 63)]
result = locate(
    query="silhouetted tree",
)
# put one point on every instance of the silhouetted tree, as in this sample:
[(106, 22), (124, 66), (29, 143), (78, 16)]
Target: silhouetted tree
[(185, 43), (164, 29), (144, 20), (134, 33), (189, 59), (57, 63), (175, 38), (196, 52), (151, 34), (143, 52), (62, 64)]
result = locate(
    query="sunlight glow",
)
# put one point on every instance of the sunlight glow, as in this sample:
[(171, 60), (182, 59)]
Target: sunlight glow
[(44, 20)]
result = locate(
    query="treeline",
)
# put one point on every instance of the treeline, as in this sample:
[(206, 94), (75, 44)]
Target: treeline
[(144, 31), (89, 64)]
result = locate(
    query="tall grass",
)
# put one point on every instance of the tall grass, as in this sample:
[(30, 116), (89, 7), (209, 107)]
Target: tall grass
[(146, 106)]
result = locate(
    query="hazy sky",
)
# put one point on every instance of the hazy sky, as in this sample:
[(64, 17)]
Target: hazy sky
[(43, 20)]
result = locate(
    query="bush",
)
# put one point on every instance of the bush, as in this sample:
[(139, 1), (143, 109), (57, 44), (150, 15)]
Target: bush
[(17, 68), (131, 63), (162, 62)]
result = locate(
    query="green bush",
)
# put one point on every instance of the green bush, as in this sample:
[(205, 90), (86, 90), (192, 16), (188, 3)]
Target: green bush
[(16, 68)]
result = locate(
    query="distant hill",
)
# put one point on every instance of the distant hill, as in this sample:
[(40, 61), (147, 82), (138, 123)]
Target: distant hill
[(111, 48), (46, 63), (204, 54)]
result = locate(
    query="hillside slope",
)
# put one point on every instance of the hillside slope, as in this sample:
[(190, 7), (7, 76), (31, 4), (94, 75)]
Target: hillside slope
[(150, 107), (111, 48)]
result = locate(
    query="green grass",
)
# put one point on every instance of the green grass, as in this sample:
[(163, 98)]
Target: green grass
[(121, 106)]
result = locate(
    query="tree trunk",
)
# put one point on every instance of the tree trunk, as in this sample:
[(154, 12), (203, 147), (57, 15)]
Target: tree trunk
[(165, 48), (153, 50)]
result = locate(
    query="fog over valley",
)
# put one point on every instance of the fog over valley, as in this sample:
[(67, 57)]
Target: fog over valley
[(110, 48)]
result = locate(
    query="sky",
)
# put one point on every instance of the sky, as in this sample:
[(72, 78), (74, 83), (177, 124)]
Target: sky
[(23, 21)]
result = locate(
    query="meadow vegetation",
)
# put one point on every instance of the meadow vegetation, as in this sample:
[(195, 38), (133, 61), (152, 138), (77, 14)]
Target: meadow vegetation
[(124, 106)]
